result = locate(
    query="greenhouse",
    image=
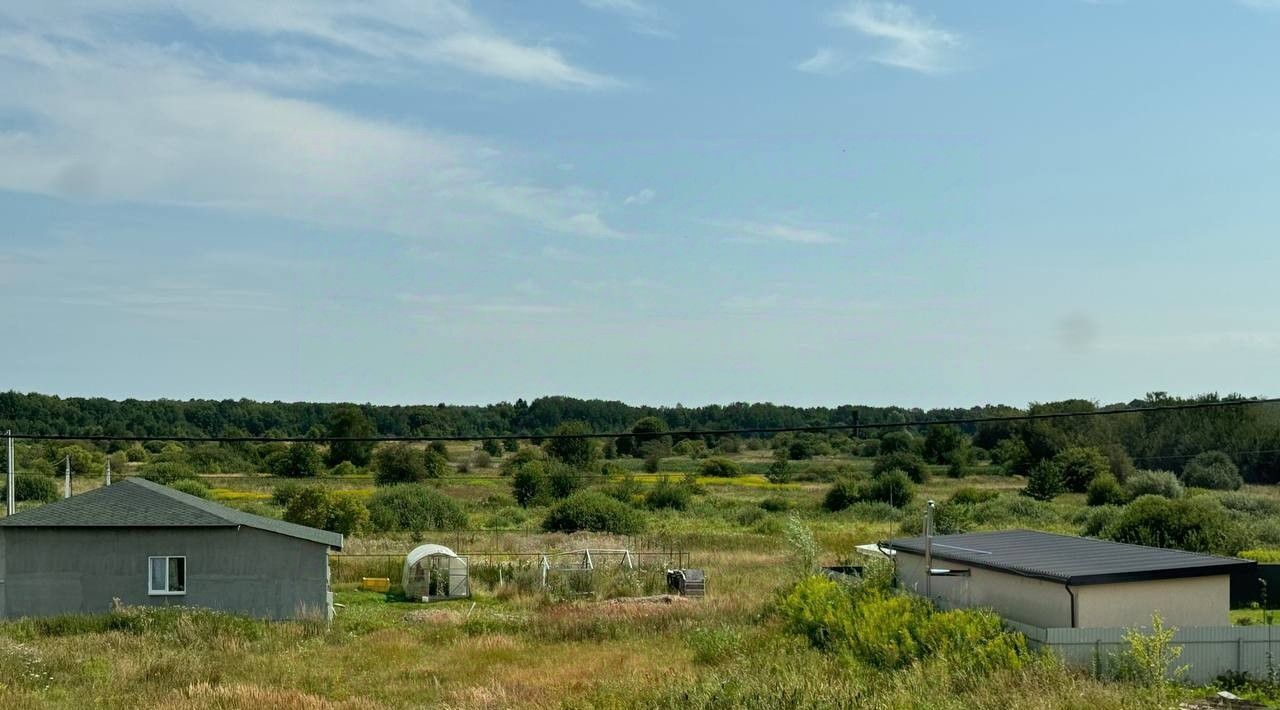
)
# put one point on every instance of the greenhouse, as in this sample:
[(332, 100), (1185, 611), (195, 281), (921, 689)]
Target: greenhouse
[(434, 572)]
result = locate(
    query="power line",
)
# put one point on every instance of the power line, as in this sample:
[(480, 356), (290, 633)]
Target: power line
[(852, 426)]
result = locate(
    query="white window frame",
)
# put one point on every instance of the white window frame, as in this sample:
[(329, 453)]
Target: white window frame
[(151, 591)]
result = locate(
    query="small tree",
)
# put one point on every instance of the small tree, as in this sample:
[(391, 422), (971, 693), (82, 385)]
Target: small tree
[(492, 447), (910, 464), (898, 441), (1212, 469), (316, 507), (940, 442), (529, 485), (1105, 490), (1079, 465), (399, 463), (300, 460), (1147, 658), (1044, 481), (576, 450), (347, 422)]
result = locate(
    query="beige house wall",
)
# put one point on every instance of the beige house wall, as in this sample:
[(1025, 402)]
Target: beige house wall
[(1188, 602), (1193, 601)]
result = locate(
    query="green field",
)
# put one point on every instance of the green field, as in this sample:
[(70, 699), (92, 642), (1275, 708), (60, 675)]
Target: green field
[(517, 645)]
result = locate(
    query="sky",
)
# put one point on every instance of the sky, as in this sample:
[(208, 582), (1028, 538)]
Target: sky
[(420, 201)]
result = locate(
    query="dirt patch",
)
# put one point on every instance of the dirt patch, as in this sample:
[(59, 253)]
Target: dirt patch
[(434, 616), (657, 599)]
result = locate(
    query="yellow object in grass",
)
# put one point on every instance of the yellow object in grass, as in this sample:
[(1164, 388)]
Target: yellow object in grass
[(375, 584)]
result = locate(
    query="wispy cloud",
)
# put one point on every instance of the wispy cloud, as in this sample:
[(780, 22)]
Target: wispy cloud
[(643, 17), (643, 197), (110, 116), (825, 61), (905, 39), (760, 232)]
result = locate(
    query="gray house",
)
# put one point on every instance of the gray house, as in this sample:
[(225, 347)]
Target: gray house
[(146, 544)]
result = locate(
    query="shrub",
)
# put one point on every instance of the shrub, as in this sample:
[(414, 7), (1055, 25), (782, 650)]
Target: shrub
[(1250, 504), (481, 459), (820, 610), (562, 480), (346, 468), (593, 511), (1266, 556), (885, 630), (693, 448), (414, 507), (135, 454), (666, 494), (520, 459), (720, 468), (909, 463), (166, 472), (1044, 482), (316, 507), (1198, 524), (779, 471), (529, 485), (576, 451), (626, 489), (300, 460), (1079, 465), (506, 519), (1105, 490), (747, 517), (898, 441), (941, 443), (26, 487), (973, 639), (1159, 483), (775, 504), (652, 462), (972, 496), (1099, 519), (191, 486), (402, 463), (842, 494), (1212, 469), (285, 492)]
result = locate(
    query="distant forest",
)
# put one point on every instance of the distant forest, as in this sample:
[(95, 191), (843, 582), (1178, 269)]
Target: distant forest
[(1163, 440)]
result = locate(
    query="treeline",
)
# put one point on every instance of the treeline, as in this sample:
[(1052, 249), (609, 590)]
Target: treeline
[(1165, 440), (32, 413)]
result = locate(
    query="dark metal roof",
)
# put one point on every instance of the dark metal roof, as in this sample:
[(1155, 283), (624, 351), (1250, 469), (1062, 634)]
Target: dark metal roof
[(1067, 559), (137, 502)]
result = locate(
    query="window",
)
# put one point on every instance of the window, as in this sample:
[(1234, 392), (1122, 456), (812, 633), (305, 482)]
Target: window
[(168, 576)]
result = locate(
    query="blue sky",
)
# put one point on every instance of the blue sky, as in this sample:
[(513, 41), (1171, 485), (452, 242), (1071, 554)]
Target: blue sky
[(924, 203)]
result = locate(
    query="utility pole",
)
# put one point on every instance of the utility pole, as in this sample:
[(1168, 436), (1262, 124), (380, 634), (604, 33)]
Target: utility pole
[(928, 550), (9, 481), (108, 470), (66, 489)]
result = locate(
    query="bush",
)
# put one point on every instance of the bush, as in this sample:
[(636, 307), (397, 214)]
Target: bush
[(1198, 524), (820, 610), (166, 472), (941, 444), (593, 511), (506, 519), (579, 451), (1098, 520), (285, 492), (885, 630), (415, 508), (666, 494), (317, 507), (1158, 483), (1044, 482), (1079, 465), (191, 486), (693, 448), (481, 459), (1251, 504), (26, 487), (775, 504), (892, 487), (626, 489), (346, 468), (779, 471), (908, 463), (720, 468), (898, 441), (842, 494), (562, 480), (300, 460), (520, 459), (135, 454), (402, 463), (529, 485), (652, 462), (1212, 469), (1105, 490), (972, 496)]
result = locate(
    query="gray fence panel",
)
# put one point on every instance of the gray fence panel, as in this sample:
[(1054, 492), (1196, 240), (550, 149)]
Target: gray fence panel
[(1207, 651)]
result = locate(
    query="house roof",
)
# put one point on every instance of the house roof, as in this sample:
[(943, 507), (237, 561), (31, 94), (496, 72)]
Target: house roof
[(1067, 559), (139, 503)]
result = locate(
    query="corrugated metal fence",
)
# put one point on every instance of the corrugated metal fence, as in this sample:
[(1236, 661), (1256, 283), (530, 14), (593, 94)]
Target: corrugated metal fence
[(1207, 651)]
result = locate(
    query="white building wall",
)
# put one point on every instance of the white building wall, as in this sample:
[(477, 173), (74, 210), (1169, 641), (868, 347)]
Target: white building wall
[(1030, 601), (1188, 602), (1193, 601)]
